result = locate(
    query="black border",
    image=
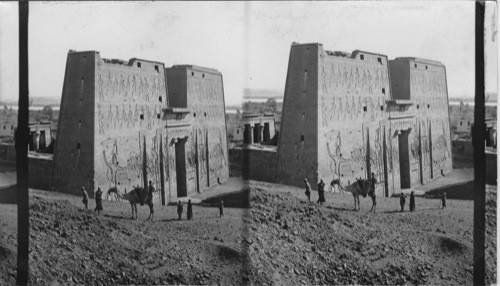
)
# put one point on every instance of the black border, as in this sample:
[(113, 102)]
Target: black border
[(478, 140), (21, 142)]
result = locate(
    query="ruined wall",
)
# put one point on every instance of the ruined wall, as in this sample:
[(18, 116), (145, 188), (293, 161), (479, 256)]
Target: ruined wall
[(491, 168), (298, 143), (258, 164), (74, 150), (352, 95), (129, 102), (40, 172)]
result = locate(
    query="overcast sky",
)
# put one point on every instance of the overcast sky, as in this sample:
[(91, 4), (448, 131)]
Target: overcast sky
[(249, 42)]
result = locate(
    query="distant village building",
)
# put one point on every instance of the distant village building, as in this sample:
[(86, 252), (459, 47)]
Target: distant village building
[(123, 123), (251, 128), (348, 115), (42, 135), (8, 122)]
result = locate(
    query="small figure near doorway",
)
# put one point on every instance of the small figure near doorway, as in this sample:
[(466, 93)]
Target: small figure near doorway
[(221, 209), (189, 210), (443, 200), (412, 201), (85, 198), (149, 199), (402, 201), (179, 209), (98, 200), (308, 190), (321, 192), (371, 193)]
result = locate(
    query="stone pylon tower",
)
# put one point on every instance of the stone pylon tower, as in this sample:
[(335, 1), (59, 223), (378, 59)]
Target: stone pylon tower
[(125, 123), (111, 112), (333, 116), (346, 116)]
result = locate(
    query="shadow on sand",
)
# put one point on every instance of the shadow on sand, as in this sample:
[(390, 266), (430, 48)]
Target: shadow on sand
[(118, 216)]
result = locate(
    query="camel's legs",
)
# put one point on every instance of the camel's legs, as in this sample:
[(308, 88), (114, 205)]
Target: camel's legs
[(151, 212), (132, 205), (354, 196), (374, 205), (134, 210)]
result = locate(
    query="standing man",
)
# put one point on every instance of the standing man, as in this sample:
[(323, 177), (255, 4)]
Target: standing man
[(221, 209), (308, 190), (190, 211), (412, 201), (179, 209), (371, 193), (98, 200), (443, 200), (151, 190), (149, 199), (85, 198), (402, 201), (321, 192)]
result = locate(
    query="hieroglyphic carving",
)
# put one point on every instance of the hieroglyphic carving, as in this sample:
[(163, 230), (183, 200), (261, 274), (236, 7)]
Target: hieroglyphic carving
[(428, 82), (113, 165), (100, 119), (354, 77)]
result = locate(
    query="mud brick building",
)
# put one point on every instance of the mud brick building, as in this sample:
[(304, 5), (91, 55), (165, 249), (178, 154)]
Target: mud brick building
[(123, 123), (348, 115)]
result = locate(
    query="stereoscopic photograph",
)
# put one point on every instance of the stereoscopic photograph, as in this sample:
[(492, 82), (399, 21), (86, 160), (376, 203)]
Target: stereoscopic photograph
[(248, 143)]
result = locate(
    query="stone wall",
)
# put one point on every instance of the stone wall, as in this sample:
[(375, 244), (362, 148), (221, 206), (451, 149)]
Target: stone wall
[(298, 142), (112, 127), (346, 116), (130, 98), (74, 150), (207, 161), (423, 82), (40, 172), (353, 92), (491, 168), (258, 164)]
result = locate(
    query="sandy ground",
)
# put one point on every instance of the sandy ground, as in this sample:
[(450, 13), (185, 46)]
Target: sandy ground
[(280, 240), (7, 175)]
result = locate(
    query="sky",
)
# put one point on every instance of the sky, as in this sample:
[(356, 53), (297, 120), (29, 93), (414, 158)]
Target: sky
[(249, 42)]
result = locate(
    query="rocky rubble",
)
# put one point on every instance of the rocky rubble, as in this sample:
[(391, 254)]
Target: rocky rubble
[(280, 240), (73, 246), (293, 242)]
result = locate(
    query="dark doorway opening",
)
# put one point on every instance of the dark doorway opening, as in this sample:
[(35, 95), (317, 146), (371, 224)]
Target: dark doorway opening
[(42, 144), (404, 159), (180, 167), (32, 142)]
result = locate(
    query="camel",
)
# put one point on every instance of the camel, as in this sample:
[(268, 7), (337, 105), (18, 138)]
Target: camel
[(362, 187), (138, 195)]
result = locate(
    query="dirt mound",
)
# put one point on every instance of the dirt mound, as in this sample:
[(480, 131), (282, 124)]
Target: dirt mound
[(238, 199), (491, 237), (460, 191), (452, 247), (280, 239), (293, 242), (75, 246), (7, 259)]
